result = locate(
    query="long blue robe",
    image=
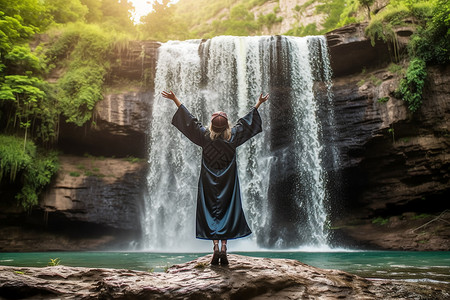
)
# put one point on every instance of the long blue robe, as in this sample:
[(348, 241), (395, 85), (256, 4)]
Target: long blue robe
[(219, 208)]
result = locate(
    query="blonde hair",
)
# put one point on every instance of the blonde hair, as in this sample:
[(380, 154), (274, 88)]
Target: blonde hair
[(225, 133)]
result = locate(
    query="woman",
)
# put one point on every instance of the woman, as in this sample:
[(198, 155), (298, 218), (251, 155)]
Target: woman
[(219, 209)]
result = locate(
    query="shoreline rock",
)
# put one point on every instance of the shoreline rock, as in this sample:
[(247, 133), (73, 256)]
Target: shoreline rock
[(245, 278)]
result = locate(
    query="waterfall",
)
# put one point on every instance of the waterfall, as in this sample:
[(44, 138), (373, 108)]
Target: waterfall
[(283, 182)]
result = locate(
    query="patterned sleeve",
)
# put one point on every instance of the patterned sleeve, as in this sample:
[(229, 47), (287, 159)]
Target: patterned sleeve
[(247, 127)]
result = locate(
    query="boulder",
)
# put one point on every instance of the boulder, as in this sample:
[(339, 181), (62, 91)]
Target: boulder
[(245, 278)]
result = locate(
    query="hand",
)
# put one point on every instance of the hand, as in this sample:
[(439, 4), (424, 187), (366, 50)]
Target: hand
[(261, 100), (170, 95)]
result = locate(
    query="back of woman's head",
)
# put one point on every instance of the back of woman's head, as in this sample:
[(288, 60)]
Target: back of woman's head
[(219, 126)]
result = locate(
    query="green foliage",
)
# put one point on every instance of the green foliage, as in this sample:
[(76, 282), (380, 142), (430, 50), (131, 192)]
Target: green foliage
[(349, 13), (27, 16), (14, 156), (310, 29), (74, 174), (115, 15), (396, 69), (336, 13), (380, 221), (391, 131), (411, 87), (65, 11), (268, 20), (54, 262), (26, 103), (20, 60), (133, 159), (94, 10), (241, 22), (382, 25), (196, 13), (24, 100), (161, 24), (301, 8), (383, 100), (30, 106), (421, 216), (86, 49), (25, 165), (333, 10), (80, 89), (207, 18), (201, 265), (431, 42), (166, 268), (375, 80), (367, 4)]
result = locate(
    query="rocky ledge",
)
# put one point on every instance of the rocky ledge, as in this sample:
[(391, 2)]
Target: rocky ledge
[(245, 278)]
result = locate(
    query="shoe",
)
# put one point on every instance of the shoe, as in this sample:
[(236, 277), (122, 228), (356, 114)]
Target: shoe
[(216, 255), (223, 256)]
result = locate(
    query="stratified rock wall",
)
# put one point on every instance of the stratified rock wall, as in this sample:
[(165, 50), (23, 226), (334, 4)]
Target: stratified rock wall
[(393, 162), (104, 191), (119, 127), (93, 203)]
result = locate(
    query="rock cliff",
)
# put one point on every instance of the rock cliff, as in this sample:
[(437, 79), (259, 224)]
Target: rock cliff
[(245, 278), (394, 163), (121, 119), (94, 203)]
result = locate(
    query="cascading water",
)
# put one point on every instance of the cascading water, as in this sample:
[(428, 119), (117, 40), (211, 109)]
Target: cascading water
[(281, 173)]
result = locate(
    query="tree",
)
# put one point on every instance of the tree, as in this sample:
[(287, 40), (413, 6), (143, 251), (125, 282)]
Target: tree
[(94, 14), (367, 4), (29, 13), (22, 93), (117, 14), (161, 24), (65, 11)]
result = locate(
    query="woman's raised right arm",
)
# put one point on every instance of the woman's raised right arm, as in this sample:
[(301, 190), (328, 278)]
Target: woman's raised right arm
[(185, 122), (170, 95), (261, 100)]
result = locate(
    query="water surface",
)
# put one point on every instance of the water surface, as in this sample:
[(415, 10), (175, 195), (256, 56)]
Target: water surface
[(411, 266)]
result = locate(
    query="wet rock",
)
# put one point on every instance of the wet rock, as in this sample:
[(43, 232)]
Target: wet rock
[(351, 51), (392, 161), (93, 203), (245, 278), (120, 126)]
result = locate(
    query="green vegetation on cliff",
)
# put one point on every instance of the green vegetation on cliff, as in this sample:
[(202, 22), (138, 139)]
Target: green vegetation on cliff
[(54, 56), (25, 167), (430, 44), (81, 52)]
